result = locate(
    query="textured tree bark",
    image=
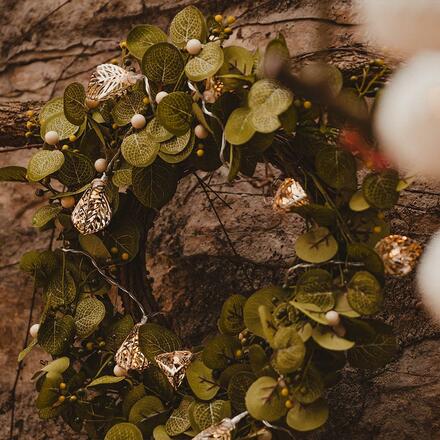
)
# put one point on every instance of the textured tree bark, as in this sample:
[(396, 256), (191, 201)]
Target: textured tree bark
[(49, 43)]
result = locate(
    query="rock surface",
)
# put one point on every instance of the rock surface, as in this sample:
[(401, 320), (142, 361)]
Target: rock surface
[(48, 43)]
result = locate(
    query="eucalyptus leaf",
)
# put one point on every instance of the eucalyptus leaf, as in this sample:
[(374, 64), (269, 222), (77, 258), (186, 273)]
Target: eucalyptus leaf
[(55, 334), (289, 350), (308, 417), (44, 163), (139, 150), (174, 113), (45, 214), (206, 63), (187, 24), (141, 37), (201, 381), (263, 400), (364, 293), (88, 315), (380, 189), (155, 339), (74, 103), (239, 128), (163, 63), (13, 174), (231, 317), (124, 431), (127, 106), (329, 340), (316, 246)]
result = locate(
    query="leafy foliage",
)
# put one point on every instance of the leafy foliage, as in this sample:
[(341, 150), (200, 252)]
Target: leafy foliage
[(277, 349)]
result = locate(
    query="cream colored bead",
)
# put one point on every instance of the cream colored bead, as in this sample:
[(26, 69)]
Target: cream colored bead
[(160, 96), (119, 371), (100, 165), (194, 46), (68, 202), (138, 121), (51, 137), (33, 331), (333, 318), (201, 132)]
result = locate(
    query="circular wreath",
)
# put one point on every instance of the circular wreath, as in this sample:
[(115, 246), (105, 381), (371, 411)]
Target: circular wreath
[(114, 152)]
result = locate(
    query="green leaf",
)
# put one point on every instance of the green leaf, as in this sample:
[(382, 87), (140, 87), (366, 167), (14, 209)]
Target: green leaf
[(179, 157), (176, 145), (44, 163), (311, 386), (45, 214), (174, 113), (237, 389), (258, 359), (289, 350), (200, 380), (23, 353), (359, 252), (234, 162), (375, 344), (343, 308), (364, 293), (155, 339), (288, 119), (240, 58), (144, 408), (159, 433), (142, 37), (315, 287), (117, 332), (219, 350), (316, 246), (88, 315), (204, 415), (136, 393), (52, 107), (308, 418), (231, 317), (380, 189), (94, 246), (336, 167), (178, 421), (268, 96), (61, 289), (312, 311), (262, 297), (127, 106), (122, 177), (157, 132), (74, 103), (105, 380), (59, 365), (265, 122), (77, 170), (154, 185), (124, 431), (49, 391), (358, 203), (239, 129), (263, 400), (13, 174), (324, 77), (139, 150), (55, 334), (187, 24), (59, 123), (329, 340), (156, 382), (206, 63), (163, 63)]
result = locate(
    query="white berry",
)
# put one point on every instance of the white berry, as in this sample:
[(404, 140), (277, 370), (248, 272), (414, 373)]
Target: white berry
[(33, 331), (194, 46), (68, 202), (100, 165), (119, 371), (138, 121), (160, 96), (201, 132), (333, 318), (51, 137)]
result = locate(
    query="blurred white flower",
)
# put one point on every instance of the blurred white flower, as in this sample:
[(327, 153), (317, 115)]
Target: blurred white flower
[(407, 26), (428, 277), (407, 121)]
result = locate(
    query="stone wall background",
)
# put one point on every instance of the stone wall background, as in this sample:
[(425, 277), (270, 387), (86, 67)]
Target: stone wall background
[(47, 43)]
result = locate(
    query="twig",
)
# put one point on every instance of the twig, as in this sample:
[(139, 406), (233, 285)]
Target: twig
[(8, 148)]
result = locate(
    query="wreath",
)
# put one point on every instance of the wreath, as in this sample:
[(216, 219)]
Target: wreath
[(113, 153)]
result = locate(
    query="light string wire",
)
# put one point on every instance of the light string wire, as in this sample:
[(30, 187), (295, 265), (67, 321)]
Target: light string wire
[(110, 280), (194, 89)]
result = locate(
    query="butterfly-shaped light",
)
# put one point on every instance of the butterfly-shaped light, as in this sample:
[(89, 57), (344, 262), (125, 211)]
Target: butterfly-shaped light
[(129, 355), (174, 365), (290, 195), (92, 213), (221, 430), (109, 81)]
